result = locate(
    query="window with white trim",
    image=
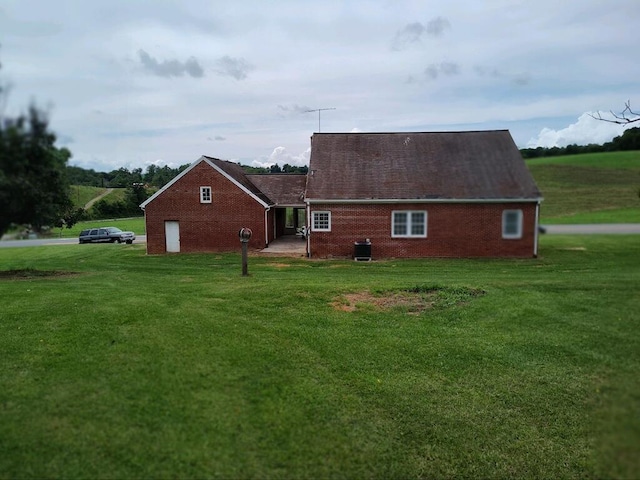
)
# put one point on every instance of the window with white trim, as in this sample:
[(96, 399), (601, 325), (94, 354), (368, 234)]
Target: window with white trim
[(205, 194), (512, 224), (321, 221), (409, 224)]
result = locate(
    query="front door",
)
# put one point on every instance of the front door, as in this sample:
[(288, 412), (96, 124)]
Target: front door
[(172, 236)]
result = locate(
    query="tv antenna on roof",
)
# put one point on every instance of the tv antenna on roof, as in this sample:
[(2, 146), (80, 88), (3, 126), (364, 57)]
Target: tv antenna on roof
[(319, 110)]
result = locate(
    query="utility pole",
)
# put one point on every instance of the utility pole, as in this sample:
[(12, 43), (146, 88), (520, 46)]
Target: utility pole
[(319, 110)]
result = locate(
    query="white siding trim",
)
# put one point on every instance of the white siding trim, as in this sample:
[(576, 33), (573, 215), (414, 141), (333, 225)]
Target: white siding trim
[(518, 234), (409, 223), (536, 228), (206, 191), (168, 185), (310, 201), (313, 215), (187, 170), (235, 182)]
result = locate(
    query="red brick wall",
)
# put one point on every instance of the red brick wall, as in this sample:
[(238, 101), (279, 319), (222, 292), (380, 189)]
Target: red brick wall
[(453, 230), (204, 227)]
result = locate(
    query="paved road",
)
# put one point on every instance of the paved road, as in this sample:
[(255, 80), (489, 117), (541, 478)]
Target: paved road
[(599, 228), (595, 228), (53, 241)]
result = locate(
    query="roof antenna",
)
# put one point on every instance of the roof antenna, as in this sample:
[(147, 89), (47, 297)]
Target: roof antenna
[(319, 110)]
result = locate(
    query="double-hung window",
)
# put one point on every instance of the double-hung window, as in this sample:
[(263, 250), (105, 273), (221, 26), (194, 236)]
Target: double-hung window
[(409, 224), (321, 221), (205, 194), (512, 224)]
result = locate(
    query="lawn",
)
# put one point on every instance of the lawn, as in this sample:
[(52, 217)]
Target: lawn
[(82, 194), (134, 224), (589, 188), (121, 365)]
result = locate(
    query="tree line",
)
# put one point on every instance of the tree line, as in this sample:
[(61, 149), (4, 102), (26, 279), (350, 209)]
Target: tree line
[(153, 176), (629, 140)]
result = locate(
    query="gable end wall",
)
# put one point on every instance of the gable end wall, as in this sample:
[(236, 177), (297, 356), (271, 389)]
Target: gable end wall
[(204, 227)]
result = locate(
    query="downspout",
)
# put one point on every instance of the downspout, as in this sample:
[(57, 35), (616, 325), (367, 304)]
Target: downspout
[(308, 230), (266, 227), (535, 234), (146, 244)]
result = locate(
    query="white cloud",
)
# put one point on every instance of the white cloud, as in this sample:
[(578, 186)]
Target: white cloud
[(246, 71), (282, 157), (585, 131), (159, 163)]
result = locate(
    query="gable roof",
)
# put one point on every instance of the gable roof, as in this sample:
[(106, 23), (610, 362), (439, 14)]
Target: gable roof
[(236, 174), (285, 189), (232, 171), (480, 165)]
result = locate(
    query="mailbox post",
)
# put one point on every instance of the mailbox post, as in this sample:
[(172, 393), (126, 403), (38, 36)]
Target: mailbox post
[(245, 235)]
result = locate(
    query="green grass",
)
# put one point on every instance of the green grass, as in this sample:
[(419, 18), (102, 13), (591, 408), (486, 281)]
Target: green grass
[(134, 224), (589, 188), (82, 194), (117, 195), (139, 366), (614, 215), (607, 160)]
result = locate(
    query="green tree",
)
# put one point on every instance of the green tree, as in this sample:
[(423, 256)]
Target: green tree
[(134, 196), (33, 185), (121, 178), (629, 140)]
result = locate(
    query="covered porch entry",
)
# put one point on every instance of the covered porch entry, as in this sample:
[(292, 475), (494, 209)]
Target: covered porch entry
[(287, 246), (289, 221)]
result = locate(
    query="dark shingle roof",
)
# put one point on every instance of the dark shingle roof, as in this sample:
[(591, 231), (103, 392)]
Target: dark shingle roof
[(438, 165), (236, 172), (284, 189)]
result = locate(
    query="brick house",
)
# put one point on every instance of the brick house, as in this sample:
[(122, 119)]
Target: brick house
[(447, 194), (203, 208)]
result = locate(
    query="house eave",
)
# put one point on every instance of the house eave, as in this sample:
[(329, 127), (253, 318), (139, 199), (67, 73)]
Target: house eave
[(171, 182), (310, 201), (289, 205), (237, 184)]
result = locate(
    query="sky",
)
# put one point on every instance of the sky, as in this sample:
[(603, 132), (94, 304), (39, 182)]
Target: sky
[(134, 83)]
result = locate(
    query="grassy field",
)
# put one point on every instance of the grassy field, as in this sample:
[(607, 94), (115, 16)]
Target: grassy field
[(122, 365), (589, 188), (82, 194), (134, 224)]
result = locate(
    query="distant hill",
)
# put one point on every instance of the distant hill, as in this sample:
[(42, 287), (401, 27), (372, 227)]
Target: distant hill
[(629, 140), (589, 188)]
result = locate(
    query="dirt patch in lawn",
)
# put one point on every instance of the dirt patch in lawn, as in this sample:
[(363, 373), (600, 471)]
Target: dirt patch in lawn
[(412, 301), (278, 265), (30, 273)]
